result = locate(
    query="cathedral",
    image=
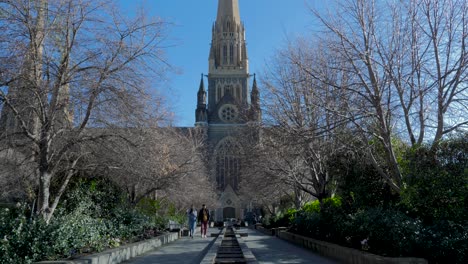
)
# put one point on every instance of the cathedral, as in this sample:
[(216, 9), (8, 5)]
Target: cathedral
[(227, 107)]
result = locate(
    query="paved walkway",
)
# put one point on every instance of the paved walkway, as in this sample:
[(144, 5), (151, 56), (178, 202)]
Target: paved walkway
[(267, 250), (270, 249), (185, 250)]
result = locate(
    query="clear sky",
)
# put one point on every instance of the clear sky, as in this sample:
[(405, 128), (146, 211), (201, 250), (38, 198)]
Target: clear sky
[(268, 23)]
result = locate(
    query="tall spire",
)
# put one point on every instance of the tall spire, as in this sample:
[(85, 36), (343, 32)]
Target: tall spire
[(201, 102), (201, 116), (228, 45), (255, 99), (228, 8)]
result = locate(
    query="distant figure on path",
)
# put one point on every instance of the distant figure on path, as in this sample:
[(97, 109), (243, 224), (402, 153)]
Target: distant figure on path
[(192, 220), (204, 217)]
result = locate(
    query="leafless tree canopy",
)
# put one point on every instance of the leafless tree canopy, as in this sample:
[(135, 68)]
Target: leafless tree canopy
[(67, 66), (404, 69), (160, 163), (378, 75)]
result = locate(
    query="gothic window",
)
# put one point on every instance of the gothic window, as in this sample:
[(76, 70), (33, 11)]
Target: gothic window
[(218, 94), (231, 54), (225, 54), (228, 89), (227, 163), (238, 90), (228, 113), (228, 26)]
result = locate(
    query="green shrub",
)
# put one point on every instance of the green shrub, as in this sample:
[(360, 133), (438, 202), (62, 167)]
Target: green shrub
[(80, 233), (23, 239), (437, 182), (326, 220), (359, 184), (387, 232), (86, 221), (444, 242), (311, 207), (161, 211)]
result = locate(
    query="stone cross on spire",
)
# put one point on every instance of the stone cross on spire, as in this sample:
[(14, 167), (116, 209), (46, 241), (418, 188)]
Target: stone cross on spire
[(228, 8)]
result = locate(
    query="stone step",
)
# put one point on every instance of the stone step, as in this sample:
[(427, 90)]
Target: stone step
[(221, 252), (231, 260)]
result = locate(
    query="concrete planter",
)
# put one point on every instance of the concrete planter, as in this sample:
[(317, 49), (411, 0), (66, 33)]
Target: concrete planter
[(278, 230), (123, 253), (344, 254)]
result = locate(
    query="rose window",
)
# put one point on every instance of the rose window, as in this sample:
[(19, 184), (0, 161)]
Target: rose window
[(228, 113)]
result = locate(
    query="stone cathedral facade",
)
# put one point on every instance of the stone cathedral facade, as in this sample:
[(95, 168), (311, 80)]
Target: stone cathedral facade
[(226, 107)]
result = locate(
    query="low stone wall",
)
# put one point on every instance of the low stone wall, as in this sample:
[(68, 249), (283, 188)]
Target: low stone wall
[(272, 231), (265, 231), (344, 254), (123, 253)]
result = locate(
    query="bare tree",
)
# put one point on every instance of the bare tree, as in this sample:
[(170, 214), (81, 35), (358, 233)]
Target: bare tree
[(301, 137), (406, 72), (159, 163), (259, 188), (66, 66)]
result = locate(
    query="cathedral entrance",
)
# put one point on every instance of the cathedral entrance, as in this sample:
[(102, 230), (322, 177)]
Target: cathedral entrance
[(229, 212)]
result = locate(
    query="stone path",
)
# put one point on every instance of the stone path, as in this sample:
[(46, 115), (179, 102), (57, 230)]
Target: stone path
[(270, 249), (185, 250), (267, 250)]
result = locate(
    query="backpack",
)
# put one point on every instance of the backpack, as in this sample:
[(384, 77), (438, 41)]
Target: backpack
[(205, 216)]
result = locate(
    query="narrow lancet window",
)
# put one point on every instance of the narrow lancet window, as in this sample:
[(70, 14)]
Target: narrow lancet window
[(225, 54), (231, 54)]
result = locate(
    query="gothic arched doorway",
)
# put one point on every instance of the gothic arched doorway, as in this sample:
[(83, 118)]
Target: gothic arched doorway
[(229, 212)]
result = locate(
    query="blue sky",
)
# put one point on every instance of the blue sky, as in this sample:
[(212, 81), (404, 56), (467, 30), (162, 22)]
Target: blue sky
[(269, 23)]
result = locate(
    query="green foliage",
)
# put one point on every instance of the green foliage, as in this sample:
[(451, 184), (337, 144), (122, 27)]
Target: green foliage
[(96, 197), (326, 220), (444, 242), (21, 238), (79, 232), (437, 182), (428, 219), (385, 231), (388, 232), (161, 211), (291, 215), (281, 219), (311, 207), (360, 185), (93, 216)]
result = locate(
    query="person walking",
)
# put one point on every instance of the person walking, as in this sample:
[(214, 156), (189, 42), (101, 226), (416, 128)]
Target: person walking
[(192, 220), (204, 217)]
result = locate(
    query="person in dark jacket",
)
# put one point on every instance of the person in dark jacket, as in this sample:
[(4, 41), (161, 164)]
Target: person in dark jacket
[(204, 217)]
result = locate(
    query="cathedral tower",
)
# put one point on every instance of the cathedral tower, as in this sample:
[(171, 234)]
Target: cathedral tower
[(229, 107)]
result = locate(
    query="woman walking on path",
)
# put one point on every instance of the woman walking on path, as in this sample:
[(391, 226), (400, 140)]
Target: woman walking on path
[(192, 220)]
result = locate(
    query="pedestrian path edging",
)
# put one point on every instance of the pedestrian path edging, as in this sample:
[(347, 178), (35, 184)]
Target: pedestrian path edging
[(123, 253), (264, 230), (344, 254), (212, 252)]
